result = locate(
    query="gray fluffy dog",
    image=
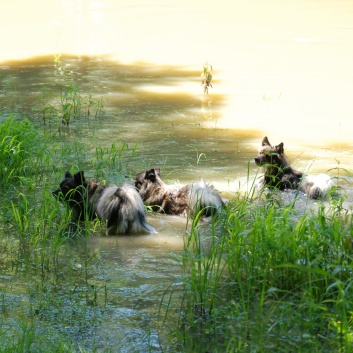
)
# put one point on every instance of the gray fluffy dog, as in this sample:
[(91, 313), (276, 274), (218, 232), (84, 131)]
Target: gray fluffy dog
[(120, 206)]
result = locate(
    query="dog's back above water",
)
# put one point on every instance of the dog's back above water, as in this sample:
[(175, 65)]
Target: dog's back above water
[(174, 200), (279, 174), (120, 206)]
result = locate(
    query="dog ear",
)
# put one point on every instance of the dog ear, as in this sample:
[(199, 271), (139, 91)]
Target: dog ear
[(157, 171), (139, 178), (68, 175), (79, 178), (265, 142), (280, 148), (151, 174)]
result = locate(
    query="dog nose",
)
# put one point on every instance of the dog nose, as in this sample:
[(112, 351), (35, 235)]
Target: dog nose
[(257, 160)]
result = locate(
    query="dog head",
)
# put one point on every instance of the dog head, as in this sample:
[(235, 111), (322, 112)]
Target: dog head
[(150, 176), (151, 188), (71, 187), (269, 155)]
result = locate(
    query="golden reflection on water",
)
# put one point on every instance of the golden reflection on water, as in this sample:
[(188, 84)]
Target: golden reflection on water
[(284, 66)]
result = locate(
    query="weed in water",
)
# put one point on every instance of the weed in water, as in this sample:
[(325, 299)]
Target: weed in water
[(269, 278), (53, 293), (72, 105), (206, 77), (115, 159), (22, 151)]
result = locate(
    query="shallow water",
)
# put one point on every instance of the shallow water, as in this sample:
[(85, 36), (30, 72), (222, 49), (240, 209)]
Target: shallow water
[(285, 64), (281, 69), (177, 130), (146, 267)]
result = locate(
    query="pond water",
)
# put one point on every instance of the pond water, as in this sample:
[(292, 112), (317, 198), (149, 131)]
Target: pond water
[(282, 69)]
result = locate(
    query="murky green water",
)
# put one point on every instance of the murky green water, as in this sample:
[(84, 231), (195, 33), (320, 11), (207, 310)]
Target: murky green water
[(107, 293)]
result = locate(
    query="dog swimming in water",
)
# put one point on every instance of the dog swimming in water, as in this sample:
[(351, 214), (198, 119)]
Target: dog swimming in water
[(171, 199), (120, 206), (280, 175)]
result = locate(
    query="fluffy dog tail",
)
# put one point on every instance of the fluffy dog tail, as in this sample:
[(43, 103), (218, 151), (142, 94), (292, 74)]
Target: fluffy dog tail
[(205, 197), (124, 210), (316, 186)]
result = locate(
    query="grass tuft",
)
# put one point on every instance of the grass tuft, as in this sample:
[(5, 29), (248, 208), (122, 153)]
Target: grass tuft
[(267, 279)]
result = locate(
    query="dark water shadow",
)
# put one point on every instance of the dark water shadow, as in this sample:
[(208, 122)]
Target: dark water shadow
[(161, 108)]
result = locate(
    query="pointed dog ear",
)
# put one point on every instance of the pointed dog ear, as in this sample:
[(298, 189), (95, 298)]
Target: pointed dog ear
[(280, 148), (150, 175), (68, 175), (265, 142), (153, 174), (79, 178), (139, 178)]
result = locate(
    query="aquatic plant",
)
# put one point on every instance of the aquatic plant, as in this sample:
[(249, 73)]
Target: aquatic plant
[(266, 278), (200, 156), (114, 159), (46, 258), (73, 105), (70, 106), (61, 68), (5, 86), (23, 151), (206, 77)]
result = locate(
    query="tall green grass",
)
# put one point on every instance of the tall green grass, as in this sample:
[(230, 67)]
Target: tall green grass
[(23, 151), (115, 159), (266, 278), (47, 292)]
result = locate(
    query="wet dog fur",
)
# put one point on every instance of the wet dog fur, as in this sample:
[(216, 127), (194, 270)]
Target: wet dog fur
[(170, 199), (280, 175), (120, 206)]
